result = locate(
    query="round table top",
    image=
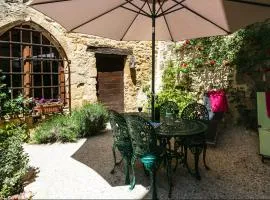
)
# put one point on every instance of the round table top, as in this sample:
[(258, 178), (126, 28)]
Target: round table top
[(181, 127)]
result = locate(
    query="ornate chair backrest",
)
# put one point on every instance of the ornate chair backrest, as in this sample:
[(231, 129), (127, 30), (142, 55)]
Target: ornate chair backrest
[(168, 107), (120, 130), (142, 135), (195, 111)]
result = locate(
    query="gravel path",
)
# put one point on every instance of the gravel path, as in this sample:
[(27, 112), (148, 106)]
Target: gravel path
[(59, 176), (236, 169)]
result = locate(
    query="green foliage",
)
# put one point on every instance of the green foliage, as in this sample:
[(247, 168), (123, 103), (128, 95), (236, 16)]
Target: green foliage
[(91, 119), (60, 128), (13, 161), (246, 51), (176, 86), (2, 93), (255, 48), (16, 106), (182, 98), (83, 122)]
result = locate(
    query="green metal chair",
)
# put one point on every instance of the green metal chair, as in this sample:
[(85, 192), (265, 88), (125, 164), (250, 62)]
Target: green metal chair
[(169, 107), (145, 148), (121, 141), (195, 111)]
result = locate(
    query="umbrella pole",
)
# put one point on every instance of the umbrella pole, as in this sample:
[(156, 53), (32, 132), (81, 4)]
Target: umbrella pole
[(153, 59)]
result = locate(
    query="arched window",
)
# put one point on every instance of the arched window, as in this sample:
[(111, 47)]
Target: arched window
[(33, 63)]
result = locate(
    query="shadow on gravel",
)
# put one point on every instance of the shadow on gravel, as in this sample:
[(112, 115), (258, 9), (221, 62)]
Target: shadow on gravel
[(97, 154), (236, 171)]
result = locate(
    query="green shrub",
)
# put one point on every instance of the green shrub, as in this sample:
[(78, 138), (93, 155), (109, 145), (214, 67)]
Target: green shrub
[(182, 98), (85, 121), (13, 161), (91, 118), (61, 128)]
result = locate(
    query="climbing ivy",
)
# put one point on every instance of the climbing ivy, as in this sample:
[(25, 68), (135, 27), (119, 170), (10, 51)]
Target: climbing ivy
[(247, 52)]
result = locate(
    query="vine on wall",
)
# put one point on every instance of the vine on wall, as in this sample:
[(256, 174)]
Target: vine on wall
[(211, 62)]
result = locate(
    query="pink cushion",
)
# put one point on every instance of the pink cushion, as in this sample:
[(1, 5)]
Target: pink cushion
[(218, 101)]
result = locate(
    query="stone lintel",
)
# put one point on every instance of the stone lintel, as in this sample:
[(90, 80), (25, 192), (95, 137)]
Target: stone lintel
[(110, 50)]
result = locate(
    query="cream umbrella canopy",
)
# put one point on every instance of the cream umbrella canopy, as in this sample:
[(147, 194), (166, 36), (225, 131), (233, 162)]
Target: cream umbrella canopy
[(171, 20)]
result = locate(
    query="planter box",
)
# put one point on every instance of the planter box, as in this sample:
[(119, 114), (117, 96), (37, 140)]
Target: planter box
[(44, 109)]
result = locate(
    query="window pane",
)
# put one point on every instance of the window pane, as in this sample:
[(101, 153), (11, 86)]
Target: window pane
[(15, 35), (45, 40), (55, 66), (36, 52), (17, 80), (26, 36), (7, 80), (47, 80), (5, 36), (38, 93), (37, 80), (36, 37), (56, 93), (4, 49), (4, 65), (37, 66), (16, 50), (17, 92), (46, 52), (55, 79), (16, 65), (55, 53), (46, 66), (47, 93)]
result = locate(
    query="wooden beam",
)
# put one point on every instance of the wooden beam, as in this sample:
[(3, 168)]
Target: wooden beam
[(110, 50)]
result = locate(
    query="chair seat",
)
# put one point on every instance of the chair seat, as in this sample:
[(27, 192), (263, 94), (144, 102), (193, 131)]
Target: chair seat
[(149, 160)]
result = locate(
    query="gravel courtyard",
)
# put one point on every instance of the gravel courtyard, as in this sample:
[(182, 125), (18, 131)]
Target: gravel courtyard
[(236, 170)]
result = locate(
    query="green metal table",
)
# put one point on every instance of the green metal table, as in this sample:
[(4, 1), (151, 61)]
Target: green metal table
[(185, 130)]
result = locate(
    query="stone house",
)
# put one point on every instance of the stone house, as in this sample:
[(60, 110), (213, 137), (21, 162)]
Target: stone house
[(42, 60)]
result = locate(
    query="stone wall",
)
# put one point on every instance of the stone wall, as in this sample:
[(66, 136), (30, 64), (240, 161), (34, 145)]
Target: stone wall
[(83, 62)]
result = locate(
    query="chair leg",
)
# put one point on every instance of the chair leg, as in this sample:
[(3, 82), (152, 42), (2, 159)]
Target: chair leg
[(114, 158), (196, 157), (176, 158), (169, 175), (133, 180), (153, 183), (204, 156), (127, 165), (146, 172)]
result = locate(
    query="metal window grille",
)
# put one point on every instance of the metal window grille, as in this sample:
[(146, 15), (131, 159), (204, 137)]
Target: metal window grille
[(34, 64)]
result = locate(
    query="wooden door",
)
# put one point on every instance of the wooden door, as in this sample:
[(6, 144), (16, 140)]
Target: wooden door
[(110, 81)]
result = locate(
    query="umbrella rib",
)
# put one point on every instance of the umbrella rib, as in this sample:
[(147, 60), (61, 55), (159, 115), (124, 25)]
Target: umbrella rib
[(149, 6), (132, 22), (166, 22), (135, 11), (160, 6), (130, 2), (251, 3), (201, 16), (47, 2), (86, 22), (169, 9)]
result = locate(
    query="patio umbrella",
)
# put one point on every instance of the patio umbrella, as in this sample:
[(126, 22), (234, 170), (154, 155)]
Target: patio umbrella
[(154, 19)]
